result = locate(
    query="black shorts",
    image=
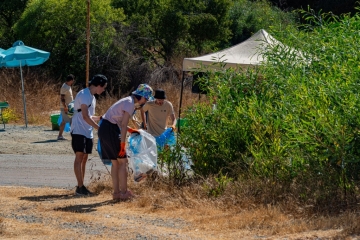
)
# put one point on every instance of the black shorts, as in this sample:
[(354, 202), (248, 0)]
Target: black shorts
[(109, 137), (82, 144)]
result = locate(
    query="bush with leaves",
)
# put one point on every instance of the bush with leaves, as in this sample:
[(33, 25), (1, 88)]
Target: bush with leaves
[(293, 122)]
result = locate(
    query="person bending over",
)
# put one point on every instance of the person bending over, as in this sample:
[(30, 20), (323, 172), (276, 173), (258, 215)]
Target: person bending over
[(112, 137)]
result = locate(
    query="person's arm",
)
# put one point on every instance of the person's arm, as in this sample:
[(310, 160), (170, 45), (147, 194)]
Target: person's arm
[(87, 118), (96, 118), (62, 97), (173, 120), (143, 118), (124, 126), (172, 117)]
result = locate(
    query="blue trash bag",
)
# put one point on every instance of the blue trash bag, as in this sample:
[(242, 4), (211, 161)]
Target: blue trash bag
[(142, 153), (166, 138), (105, 161), (67, 125)]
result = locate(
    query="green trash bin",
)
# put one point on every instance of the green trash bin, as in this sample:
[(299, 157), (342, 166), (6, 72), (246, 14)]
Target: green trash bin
[(54, 121)]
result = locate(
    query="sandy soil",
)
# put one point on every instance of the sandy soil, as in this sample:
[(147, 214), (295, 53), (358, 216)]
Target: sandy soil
[(42, 205)]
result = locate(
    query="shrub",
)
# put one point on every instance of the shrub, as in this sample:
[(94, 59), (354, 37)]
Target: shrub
[(293, 122)]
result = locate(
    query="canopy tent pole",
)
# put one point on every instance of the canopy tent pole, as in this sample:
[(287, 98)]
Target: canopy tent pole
[(23, 94), (181, 93)]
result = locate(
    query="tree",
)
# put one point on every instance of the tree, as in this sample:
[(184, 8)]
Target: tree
[(162, 29), (59, 26), (10, 12), (248, 17)]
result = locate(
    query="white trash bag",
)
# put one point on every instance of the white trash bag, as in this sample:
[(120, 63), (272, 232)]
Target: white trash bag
[(142, 152)]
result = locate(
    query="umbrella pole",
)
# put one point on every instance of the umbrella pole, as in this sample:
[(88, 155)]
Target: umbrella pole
[(23, 94)]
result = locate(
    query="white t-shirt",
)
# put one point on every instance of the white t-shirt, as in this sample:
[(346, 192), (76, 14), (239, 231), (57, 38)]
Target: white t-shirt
[(116, 112), (66, 90), (78, 124)]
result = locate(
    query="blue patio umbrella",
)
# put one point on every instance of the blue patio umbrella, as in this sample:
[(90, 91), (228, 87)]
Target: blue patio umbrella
[(1, 56), (20, 55)]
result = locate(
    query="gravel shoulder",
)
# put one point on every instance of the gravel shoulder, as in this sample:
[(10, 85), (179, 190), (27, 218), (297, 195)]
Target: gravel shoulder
[(38, 140)]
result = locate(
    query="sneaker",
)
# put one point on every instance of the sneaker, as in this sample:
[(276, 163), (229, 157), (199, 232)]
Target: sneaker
[(82, 191), (61, 138)]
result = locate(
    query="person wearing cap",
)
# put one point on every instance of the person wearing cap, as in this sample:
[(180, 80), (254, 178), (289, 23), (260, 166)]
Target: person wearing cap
[(66, 97), (114, 123), (82, 125), (158, 113)]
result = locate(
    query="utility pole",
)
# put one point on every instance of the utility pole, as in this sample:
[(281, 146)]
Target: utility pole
[(87, 43)]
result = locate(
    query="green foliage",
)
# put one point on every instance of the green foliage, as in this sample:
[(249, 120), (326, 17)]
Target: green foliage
[(165, 28), (10, 12), (217, 189), (293, 120), (60, 28), (250, 16), (174, 164)]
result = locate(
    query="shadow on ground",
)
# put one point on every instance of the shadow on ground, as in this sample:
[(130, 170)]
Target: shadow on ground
[(84, 208), (47, 141), (48, 197)]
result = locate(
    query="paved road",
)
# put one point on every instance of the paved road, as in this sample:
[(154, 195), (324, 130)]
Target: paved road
[(45, 170)]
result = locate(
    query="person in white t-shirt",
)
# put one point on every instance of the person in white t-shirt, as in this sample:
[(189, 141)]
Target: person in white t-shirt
[(112, 136), (66, 97), (158, 112), (82, 125)]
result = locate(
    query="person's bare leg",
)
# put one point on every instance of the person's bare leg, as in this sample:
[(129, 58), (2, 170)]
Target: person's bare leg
[(77, 168), (61, 128), (83, 166), (115, 176), (123, 174)]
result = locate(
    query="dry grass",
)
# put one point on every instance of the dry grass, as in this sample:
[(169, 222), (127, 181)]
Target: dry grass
[(42, 96), (158, 212)]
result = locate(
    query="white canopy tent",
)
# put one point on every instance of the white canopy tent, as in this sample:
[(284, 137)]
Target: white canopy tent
[(243, 55)]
